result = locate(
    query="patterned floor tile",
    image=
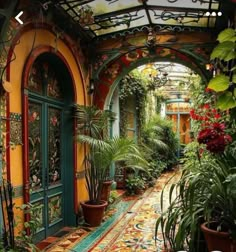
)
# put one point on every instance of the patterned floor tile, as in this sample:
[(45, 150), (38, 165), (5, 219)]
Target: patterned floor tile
[(129, 227), (137, 233)]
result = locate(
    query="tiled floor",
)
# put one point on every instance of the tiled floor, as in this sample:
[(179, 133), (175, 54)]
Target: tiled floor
[(127, 227)]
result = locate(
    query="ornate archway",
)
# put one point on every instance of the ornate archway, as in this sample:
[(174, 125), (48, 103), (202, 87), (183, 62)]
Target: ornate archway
[(111, 72)]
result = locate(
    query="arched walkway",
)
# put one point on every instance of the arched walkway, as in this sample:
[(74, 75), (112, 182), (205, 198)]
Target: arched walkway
[(116, 69)]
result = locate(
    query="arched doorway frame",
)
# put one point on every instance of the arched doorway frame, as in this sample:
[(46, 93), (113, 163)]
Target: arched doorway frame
[(72, 46), (37, 52), (107, 83), (108, 86)]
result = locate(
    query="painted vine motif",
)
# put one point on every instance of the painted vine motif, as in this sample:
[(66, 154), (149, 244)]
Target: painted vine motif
[(54, 145), (34, 141), (53, 87), (35, 78), (37, 214), (44, 80), (55, 208)]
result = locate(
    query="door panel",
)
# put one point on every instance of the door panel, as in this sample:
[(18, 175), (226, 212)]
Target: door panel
[(50, 143), (36, 172), (35, 150), (46, 176), (54, 149), (55, 178)]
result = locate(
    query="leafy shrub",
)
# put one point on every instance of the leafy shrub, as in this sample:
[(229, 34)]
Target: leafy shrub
[(162, 143)]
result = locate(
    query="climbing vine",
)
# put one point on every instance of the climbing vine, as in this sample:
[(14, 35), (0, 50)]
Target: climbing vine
[(159, 100), (132, 85)]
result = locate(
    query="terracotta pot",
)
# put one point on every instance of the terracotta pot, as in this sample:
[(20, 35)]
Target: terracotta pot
[(138, 191), (106, 189), (219, 241), (93, 214)]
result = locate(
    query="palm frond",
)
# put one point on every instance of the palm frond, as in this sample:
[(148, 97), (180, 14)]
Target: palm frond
[(92, 121), (160, 144), (93, 142)]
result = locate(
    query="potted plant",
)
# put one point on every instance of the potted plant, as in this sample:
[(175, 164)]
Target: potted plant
[(204, 197), (206, 194), (103, 152), (224, 84), (134, 185), (220, 206), (93, 124)]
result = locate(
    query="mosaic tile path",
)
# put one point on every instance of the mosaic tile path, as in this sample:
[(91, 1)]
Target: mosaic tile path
[(84, 237), (137, 232), (129, 227)]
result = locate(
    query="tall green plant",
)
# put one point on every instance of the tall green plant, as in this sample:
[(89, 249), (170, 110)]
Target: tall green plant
[(161, 140), (103, 151), (205, 192), (101, 157), (92, 121)]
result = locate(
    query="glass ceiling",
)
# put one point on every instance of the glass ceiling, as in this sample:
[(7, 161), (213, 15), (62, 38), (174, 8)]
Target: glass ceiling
[(178, 77), (106, 17)]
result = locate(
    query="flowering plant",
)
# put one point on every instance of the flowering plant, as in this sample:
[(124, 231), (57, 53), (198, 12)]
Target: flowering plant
[(205, 113), (214, 137), (213, 130)]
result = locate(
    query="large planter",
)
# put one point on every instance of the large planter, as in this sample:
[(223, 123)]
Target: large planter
[(106, 189), (216, 240), (93, 214)]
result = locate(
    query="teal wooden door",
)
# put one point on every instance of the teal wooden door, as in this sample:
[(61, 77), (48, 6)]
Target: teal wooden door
[(50, 168)]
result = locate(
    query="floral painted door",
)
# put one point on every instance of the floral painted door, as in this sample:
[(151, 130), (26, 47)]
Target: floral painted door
[(45, 146)]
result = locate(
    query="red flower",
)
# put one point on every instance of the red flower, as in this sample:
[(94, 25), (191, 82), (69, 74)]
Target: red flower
[(217, 116), (216, 145), (204, 135), (208, 90), (206, 106), (214, 137), (219, 126), (191, 112), (205, 118), (228, 139)]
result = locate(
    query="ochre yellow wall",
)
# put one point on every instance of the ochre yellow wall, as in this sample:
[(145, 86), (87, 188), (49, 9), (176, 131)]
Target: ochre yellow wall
[(19, 214), (22, 51)]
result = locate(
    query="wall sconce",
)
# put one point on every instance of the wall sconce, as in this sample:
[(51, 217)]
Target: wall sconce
[(90, 88)]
